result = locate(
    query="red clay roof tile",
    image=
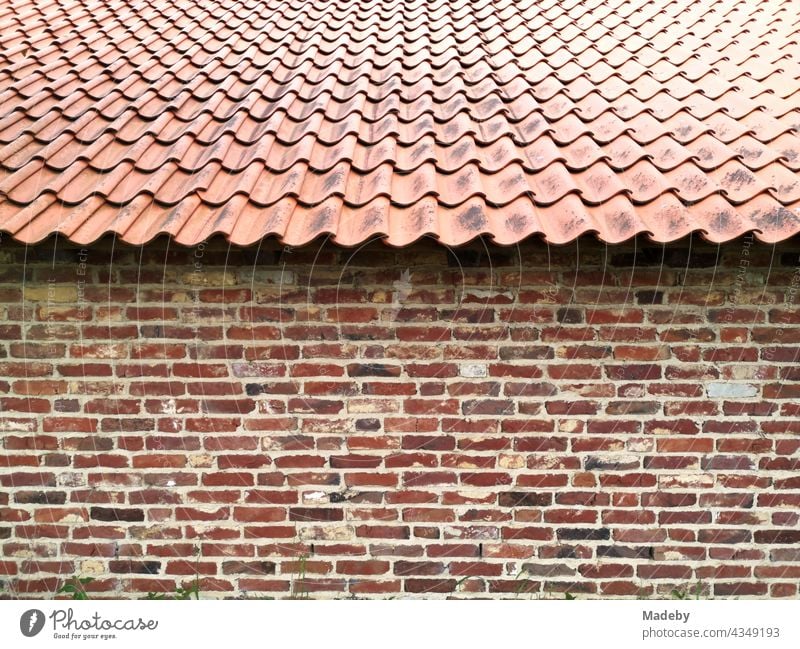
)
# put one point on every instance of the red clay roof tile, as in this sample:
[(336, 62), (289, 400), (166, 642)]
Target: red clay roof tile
[(399, 119)]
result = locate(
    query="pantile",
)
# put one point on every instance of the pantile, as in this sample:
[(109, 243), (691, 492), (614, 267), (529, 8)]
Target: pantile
[(399, 119)]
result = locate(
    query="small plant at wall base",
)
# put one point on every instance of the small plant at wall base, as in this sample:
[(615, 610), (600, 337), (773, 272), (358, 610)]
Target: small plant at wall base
[(75, 587), (180, 593), (299, 588), (685, 593)]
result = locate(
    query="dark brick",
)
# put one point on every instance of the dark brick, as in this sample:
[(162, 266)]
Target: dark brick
[(524, 499), (136, 567), (318, 514), (114, 515), (583, 534)]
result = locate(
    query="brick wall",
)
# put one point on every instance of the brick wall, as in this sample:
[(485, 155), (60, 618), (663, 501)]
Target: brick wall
[(607, 421)]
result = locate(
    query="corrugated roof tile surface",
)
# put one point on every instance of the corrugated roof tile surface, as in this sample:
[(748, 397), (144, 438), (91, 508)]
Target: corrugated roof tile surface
[(399, 119)]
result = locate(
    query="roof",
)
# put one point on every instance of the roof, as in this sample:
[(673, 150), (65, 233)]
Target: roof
[(399, 119)]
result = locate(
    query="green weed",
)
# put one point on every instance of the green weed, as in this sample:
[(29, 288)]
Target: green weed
[(299, 588), (686, 593), (74, 587)]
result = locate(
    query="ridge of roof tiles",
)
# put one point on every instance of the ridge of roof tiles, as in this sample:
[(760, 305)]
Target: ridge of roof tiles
[(399, 119)]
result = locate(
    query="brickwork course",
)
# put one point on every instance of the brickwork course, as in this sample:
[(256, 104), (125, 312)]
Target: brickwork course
[(421, 422)]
